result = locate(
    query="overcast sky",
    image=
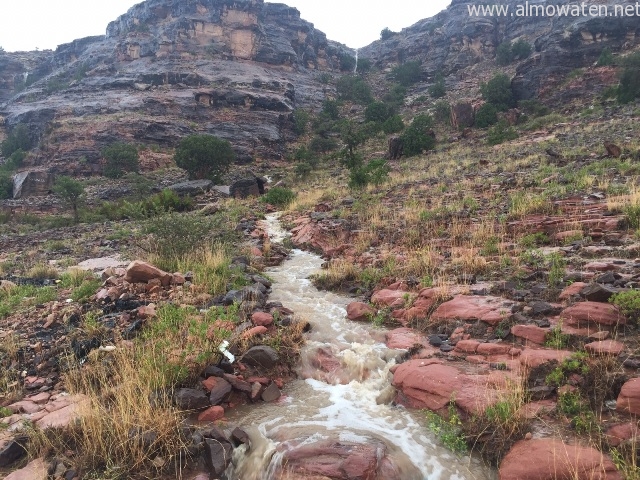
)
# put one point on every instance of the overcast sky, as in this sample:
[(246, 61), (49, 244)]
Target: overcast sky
[(45, 24)]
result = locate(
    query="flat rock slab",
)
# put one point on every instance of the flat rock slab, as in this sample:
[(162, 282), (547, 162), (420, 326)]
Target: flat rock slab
[(491, 310), (585, 313), (404, 339), (530, 333), (605, 347), (550, 459), (533, 357)]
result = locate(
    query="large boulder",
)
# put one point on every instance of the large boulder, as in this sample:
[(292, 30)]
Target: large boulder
[(192, 187), (462, 115), (244, 183), (360, 312), (551, 459), (261, 356), (32, 183)]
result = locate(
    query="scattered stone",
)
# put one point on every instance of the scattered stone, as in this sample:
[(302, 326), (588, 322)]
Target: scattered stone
[(261, 356), (12, 450), (217, 456), (596, 292), (141, 272), (271, 393), (190, 399), (262, 319), (219, 391), (211, 414)]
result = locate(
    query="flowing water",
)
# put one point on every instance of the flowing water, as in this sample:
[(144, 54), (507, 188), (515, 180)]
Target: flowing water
[(351, 404)]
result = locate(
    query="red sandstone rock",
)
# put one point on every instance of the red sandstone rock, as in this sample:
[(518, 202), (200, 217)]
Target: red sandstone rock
[(252, 332), (601, 266), (360, 312), (531, 333), (141, 272), (427, 383), (404, 338), (467, 346), (262, 319), (550, 459), (532, 358), (629, 397), (491, 310), (493, 348), (605, 347), (622, 432), (584, 313), (211, 414), (571, 290), (391, 298)]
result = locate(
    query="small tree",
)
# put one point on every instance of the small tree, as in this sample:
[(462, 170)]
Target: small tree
[(377, 112), (121, 158), (418, 136), (204, 156), (386, 33), (442, 111), (497, 91), (521, 49), (71, 192), (355, 89), (504, 54), (393, 124)]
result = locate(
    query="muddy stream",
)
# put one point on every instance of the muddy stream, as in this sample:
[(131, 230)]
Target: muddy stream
[(352, 405)]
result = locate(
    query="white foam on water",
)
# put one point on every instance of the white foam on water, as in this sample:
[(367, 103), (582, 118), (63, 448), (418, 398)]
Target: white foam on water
[(315, 410)]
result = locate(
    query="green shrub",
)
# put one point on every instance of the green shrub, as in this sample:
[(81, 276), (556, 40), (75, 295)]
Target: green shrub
[(303, 169), (347, 62), (449, 430), (279, 196), (504, 55), (606, 58), (442, 111), (486, 116), (6, 185), (85, 290), (18, 139), (629, 88), (330, 108), (393, 124), (364, 65), (417, 137), (438, 89), (501, 132), (354, 88), (15, 160), (521, 49), (497, 91), (408, 73), (120, 158), (632, 214), (377, 112), (395, 95), (376, 172), (300, 121), (204, 156), (320, 144), (629, 304), (533, 108)]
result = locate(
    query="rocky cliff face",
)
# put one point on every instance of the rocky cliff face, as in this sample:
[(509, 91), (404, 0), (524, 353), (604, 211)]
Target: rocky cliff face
[(165, 69), (462, 47)]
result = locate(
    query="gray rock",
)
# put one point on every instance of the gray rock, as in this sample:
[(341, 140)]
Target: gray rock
[(271, 393), (13, 451), (32, 183), (192, 187), (261, 356), (597, 292), (217, 456), (220, 392), (190, 399)]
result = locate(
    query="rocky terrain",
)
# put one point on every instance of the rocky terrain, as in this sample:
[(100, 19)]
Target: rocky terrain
[(502, 276)]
